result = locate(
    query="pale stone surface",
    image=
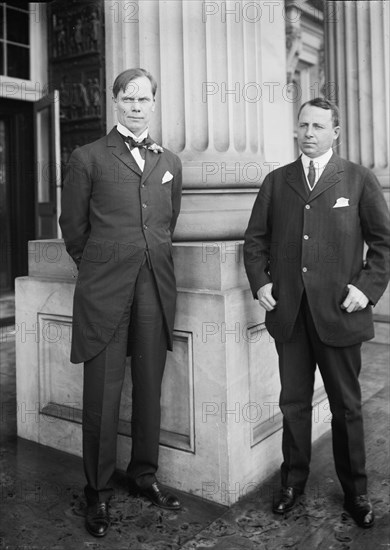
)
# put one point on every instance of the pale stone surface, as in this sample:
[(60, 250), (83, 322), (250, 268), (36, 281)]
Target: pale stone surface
[(220, 427), (33, 297), (214, 443), (49, 258), (358, 62), (382, 332), (228, 94), (197, 265), (212, 215)]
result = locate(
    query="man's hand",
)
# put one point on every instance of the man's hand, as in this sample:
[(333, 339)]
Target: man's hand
[(266, 300), (355, 300)]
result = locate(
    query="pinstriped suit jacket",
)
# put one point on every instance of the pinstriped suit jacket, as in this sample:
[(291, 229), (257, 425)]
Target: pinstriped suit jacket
[(300, 241), (112, 212)]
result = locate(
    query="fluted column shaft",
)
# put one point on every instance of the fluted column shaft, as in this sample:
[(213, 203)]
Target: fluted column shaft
[(222, 75), (357, 38), (222, 102)]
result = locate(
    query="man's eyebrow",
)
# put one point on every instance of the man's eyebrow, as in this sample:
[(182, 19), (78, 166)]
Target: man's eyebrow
[(130, 96)]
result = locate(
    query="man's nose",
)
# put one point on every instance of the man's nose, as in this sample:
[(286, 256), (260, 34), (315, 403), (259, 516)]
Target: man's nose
[(309, 130), (135, 106)]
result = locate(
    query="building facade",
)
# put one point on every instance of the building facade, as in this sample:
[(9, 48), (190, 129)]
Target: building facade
[(232, 75)]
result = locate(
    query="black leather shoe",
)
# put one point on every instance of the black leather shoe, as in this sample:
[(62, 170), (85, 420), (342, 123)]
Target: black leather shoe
[(360, 508), (97, 519), (157, 496), (287, 500)]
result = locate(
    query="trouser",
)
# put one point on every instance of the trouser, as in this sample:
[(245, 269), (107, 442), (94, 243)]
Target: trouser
[(340, 368), (103, 381)]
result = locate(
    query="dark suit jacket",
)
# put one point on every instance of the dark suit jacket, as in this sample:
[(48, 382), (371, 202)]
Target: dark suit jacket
[(298, 241), (112, 212)]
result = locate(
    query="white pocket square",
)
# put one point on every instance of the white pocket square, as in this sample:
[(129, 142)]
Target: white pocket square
[(166, 177), (342, 201)]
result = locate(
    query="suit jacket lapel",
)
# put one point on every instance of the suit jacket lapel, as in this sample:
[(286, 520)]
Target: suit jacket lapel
[(151, 161), (330, 176), (296, 179), (120, 150)]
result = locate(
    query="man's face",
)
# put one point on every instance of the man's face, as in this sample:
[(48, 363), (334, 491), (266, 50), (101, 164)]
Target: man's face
[(316, 132), (135, 105)]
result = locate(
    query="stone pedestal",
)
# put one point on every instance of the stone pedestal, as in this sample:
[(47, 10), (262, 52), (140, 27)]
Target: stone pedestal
[(221, 425), (222, 106)]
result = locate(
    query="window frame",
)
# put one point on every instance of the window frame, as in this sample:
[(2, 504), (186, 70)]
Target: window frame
[(4, 6)]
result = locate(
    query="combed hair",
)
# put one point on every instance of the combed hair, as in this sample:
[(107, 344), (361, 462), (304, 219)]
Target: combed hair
[(324, 104), (123, 79)]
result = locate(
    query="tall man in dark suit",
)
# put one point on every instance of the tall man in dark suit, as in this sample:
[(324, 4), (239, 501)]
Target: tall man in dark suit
[(120, 203), (304, 260)]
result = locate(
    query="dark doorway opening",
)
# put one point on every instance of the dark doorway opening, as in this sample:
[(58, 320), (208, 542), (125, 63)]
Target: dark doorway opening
[(17, 194)]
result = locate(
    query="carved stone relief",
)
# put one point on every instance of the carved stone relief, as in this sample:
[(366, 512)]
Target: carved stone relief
[(293, 39), (77, 70)]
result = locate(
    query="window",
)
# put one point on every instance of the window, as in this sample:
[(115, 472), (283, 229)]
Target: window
[(14, 40)]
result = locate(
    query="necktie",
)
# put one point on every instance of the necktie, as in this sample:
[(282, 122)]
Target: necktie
[(311, 176), (142, 145)]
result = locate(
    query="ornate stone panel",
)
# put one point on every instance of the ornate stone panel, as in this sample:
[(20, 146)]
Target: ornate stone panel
[(77, 70), (60, 384), (262, 409)]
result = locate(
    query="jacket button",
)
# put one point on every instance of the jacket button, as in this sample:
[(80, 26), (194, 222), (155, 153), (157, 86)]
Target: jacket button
[(145, 226), (304, 269), (144, 205), (306, 237), (307, 206)]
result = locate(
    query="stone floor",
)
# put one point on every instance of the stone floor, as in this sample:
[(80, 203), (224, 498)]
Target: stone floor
[(41, 505)]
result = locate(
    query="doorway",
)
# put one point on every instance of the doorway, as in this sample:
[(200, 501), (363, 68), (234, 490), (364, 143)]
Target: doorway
[(17, 194)]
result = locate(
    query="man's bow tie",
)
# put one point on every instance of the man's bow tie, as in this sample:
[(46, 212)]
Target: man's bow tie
[(140, 144)]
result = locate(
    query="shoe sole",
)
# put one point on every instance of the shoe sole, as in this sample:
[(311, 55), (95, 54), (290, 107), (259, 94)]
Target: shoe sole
[(280, 512), (137, 494), (362, 525), (159, 505), (96, 534)]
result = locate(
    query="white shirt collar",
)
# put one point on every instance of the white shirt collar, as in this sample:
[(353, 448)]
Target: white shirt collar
[(126, 132), (319, 162), (319, 165)]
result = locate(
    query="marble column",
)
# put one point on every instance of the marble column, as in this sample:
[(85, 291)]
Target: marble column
[(357, 47), (223, 106), (357, 41), (222, 101)]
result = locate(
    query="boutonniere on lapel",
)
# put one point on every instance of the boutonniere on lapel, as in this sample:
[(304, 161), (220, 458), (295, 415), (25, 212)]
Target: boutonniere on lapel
[(155, 148)]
